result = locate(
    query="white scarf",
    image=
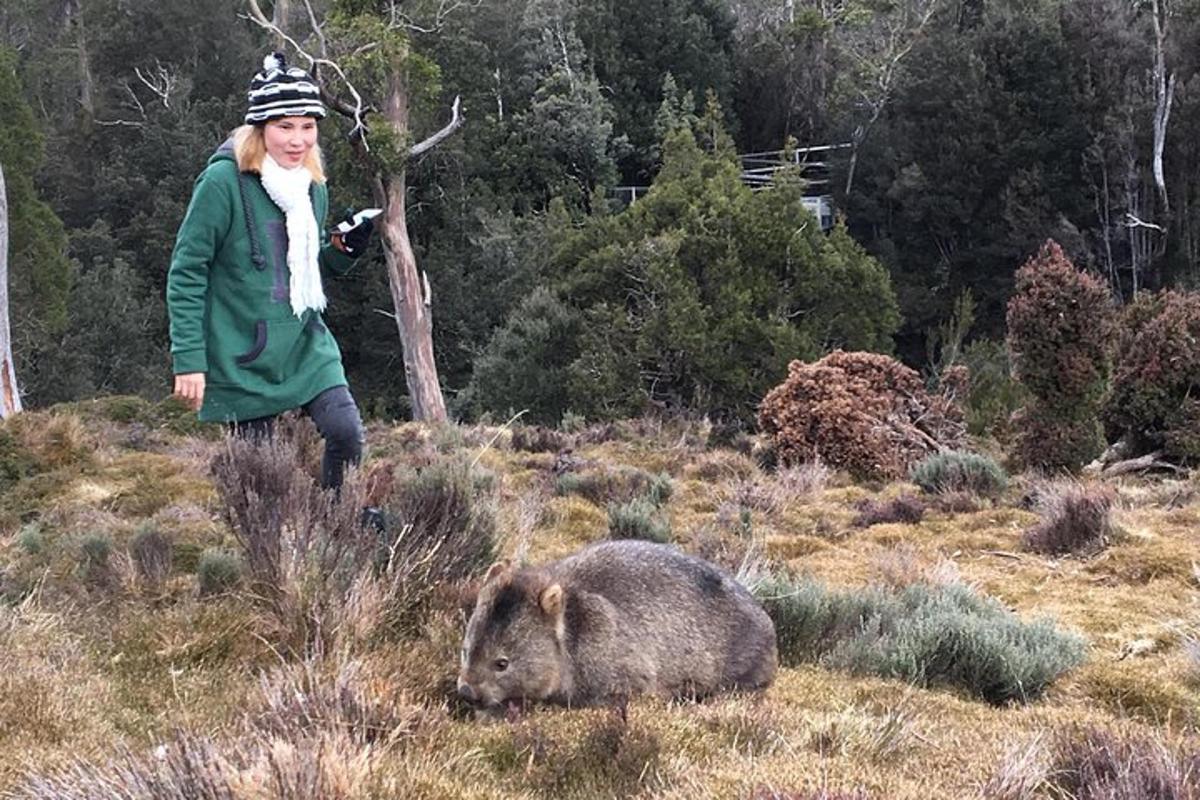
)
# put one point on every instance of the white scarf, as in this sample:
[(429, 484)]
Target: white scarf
[(289, 189)]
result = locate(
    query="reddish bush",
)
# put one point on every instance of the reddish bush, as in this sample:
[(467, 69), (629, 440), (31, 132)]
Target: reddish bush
[(1095, 764), (905, 508), (1157, 366), (1075, 519), (1060, 324), (862, 412)]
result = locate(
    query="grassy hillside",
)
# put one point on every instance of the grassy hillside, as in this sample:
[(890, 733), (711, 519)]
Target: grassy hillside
[(115, 669)]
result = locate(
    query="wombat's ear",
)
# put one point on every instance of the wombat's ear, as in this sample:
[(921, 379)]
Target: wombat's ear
[(551, 600), (496, 569)]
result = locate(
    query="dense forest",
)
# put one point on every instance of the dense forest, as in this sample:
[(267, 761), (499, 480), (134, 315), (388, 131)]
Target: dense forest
[(968, 132)]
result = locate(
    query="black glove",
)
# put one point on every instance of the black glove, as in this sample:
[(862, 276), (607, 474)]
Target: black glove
[(355, 240)]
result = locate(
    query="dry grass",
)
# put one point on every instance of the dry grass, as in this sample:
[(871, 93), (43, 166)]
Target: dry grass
[(92, 682)]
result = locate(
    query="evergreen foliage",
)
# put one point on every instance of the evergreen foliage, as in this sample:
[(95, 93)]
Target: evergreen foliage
[(690, 296), (1157, 366), (39, 273), (1003, 125), (1060, 323)]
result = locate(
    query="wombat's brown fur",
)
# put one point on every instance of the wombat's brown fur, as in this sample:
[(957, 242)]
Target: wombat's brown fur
[(616, 619)]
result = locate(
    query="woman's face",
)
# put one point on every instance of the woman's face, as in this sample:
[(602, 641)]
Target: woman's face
[(289, 139)]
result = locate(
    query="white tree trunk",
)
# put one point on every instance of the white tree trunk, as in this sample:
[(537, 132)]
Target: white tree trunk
[(1164, 91), (10, 397)]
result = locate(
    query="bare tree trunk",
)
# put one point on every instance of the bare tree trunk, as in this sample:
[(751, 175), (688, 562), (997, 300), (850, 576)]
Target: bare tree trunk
[(10, 397), (75, 18), (1164, 91), (279, 16), (410, 294)]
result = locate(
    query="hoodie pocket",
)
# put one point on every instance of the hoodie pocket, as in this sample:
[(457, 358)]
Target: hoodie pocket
[(260, 344), (278, 352)]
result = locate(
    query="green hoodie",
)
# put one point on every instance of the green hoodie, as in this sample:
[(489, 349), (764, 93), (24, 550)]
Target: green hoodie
[(231, 314)]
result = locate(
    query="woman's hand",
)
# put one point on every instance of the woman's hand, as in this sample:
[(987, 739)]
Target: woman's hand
[(190, 387)]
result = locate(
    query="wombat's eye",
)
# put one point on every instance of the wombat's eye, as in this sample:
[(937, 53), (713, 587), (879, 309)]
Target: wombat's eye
[(501, 664)]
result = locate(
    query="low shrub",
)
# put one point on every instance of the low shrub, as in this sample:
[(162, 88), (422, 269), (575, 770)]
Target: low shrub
[(608, 485), (958, 471), (304, 699), (1076, 518), (536, 439), (35, 442), (943, 635), (906, 508), (637, 519), (152, 554), (95, 550), (217, 572), (439, 516), (31, 540), (1096, 764)]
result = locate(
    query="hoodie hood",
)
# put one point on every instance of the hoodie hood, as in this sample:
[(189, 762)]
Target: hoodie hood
[(223, 153)]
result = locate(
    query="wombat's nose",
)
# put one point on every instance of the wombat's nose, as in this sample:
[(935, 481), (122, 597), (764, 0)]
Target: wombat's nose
[(466, 692)]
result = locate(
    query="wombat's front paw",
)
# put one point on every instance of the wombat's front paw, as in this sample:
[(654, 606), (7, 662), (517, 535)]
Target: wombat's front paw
[(514, 710), (489, 714)]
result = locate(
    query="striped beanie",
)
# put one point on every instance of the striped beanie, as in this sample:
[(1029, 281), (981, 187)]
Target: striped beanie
[(282, 91)]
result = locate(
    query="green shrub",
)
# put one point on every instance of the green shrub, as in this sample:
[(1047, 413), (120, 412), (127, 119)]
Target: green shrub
[(924, 634), (95, 549), (30, 539), (94, 552), (958, 471), (608, 485), (524, 365), (572, 422), (217, 571), (637, 519), (993, 395), (1060, 324)]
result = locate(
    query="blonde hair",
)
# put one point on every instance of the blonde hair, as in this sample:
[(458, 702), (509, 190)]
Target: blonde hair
[(250, 148)]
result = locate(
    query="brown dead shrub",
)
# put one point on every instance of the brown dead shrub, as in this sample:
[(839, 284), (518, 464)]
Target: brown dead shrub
[(862, 412)]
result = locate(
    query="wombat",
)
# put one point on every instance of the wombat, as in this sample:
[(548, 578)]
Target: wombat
[(616, 619)]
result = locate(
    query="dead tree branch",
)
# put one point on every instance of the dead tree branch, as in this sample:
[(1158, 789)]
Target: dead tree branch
[(354, 112), (456, 121)]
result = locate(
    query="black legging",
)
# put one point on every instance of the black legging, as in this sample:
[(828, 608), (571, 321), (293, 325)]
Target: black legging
[(337, 419)]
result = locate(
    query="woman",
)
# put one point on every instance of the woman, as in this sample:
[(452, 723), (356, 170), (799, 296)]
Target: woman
[(244, 289)]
